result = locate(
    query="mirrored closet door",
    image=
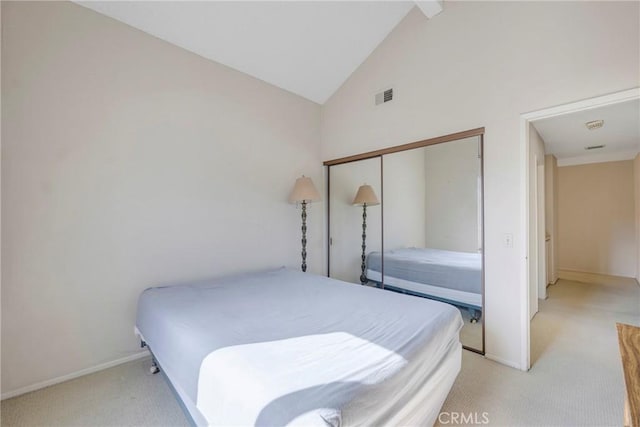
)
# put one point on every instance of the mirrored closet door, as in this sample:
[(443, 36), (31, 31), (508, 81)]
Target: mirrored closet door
[(425, 238), (433, 228)]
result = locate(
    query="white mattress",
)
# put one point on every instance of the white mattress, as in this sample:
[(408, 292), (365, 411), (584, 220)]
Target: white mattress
[(436, 267), (289, 348), (470, 298)]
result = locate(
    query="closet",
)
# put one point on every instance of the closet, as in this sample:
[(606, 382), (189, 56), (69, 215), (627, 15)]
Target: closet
[(409, 219)]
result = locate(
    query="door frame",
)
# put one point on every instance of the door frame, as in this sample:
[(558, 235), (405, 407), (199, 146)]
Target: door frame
[(530, 261), (533, 290), (542, 231)]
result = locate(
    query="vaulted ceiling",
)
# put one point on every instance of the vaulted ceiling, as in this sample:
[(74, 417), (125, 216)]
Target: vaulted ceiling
[(306, 47)]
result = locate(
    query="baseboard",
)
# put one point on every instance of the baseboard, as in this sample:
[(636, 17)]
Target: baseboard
[(80, 373), (567, 271), (504, 362)]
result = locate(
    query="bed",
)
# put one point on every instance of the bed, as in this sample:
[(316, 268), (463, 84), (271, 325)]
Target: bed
[(448, 276), (283, 347)]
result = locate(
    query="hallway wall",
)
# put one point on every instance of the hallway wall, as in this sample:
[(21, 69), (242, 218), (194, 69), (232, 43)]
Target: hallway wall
[(551, 211), (636, 190), (597, 219)]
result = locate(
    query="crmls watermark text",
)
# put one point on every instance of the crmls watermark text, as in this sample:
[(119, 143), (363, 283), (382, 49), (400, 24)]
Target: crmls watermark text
[(466, 418)]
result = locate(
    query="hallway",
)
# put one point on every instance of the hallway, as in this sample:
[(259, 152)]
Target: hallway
[(576, 377)]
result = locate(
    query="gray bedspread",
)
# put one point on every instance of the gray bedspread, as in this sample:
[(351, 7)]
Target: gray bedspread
[(184, 323), (454, 270)]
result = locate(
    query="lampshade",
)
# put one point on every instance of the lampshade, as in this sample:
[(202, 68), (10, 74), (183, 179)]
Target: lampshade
[(304, 190), (366, 195)]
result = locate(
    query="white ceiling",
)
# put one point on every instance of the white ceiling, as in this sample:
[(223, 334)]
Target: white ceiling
[(567, 136), (309, 47)]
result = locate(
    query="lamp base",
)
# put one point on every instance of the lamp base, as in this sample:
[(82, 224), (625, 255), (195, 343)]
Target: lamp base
[(304, 237), (363, 276)]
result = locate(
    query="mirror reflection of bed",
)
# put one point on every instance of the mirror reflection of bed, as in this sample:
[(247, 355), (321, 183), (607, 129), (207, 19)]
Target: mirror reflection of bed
[(447, 276), (425, 239)]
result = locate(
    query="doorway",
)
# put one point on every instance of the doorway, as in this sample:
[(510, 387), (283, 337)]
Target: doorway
[(533, 205)]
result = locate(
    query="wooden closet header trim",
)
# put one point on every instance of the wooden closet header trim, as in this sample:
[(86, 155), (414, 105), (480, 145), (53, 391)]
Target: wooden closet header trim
[(409, 146)]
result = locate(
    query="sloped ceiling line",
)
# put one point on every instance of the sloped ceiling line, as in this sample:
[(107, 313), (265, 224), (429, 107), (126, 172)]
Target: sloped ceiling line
[(306, 47)]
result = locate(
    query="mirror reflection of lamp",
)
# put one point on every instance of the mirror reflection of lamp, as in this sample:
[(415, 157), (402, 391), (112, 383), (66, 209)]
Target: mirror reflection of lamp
[(304, 192), (365, 197)]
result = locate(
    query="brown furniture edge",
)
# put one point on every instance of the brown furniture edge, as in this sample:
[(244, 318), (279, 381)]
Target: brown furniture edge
[(410, 146), (630, 355)]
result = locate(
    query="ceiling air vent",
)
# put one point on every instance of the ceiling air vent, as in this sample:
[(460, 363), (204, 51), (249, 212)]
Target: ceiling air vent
[(594, 147), (384, 96), (594, 124)]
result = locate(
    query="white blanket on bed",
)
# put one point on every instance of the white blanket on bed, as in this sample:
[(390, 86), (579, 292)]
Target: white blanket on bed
[(237, 383), (285, 347)]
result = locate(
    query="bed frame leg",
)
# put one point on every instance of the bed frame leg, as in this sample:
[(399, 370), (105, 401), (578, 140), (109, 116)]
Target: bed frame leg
[(475, 315), (154, 369)]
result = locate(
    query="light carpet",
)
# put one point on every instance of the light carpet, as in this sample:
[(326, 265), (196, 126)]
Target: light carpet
[(576, 378)]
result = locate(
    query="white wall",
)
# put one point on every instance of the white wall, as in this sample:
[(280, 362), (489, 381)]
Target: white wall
[(551, 212), (636, 189), (1, 186), (484, 64), (596, 218), (404, 201), (452, 171), (127, 162)]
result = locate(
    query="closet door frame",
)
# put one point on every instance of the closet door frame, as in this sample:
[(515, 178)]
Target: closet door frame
[(410, 146), (479, 132)]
